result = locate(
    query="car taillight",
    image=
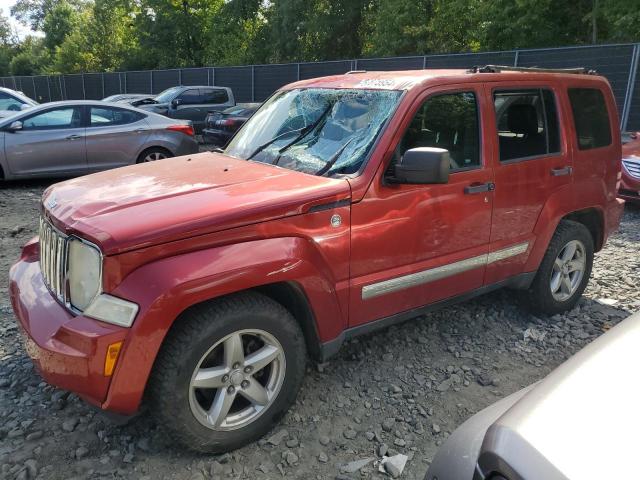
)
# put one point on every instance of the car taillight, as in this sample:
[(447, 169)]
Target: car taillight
[(186, 129)]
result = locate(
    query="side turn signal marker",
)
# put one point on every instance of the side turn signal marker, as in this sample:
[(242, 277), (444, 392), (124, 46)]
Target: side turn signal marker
[(110, 360)]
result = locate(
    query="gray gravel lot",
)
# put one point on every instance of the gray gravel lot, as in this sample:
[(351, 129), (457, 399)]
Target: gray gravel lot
[(403, 389)]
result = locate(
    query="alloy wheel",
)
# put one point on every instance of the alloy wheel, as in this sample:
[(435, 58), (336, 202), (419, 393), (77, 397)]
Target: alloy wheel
[(237, 379), (153, 156), (568, 270)]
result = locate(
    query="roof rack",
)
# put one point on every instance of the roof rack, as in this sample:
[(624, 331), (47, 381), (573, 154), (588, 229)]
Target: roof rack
[(505, 68)]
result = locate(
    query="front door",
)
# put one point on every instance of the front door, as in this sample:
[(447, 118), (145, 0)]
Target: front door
[(50, 142), (532, 164), (413, 245)]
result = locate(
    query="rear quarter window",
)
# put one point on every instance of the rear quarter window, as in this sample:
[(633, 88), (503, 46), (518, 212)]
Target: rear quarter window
[(590, 117)]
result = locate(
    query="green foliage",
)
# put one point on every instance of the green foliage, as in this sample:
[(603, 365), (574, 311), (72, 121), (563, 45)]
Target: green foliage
[(107, 35)]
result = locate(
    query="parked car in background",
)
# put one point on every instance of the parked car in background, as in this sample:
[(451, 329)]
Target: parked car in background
[(127, 97), (579, 423), (188, 103), (13, 101), (77, 137), (630, 181), (221, 126), (344, 204)]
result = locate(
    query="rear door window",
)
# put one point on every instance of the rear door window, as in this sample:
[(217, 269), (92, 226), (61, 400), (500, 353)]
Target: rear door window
[(527, 122), (102, 117), (590, 117), (214, 95)]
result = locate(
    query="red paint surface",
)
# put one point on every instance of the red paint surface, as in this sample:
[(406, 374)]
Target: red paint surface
[(185, 230), (627, 182)]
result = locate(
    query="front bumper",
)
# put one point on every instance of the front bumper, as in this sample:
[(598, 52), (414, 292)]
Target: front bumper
[(629, 188), (68, 350)]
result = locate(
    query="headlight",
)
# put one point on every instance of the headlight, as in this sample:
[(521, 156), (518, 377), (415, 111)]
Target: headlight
[(84, 273)]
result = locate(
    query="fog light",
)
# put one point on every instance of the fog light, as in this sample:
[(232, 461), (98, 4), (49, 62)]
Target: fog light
[(111, 358)]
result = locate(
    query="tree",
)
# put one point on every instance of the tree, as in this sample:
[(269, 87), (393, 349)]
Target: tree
[(34, 12), (58, 23)]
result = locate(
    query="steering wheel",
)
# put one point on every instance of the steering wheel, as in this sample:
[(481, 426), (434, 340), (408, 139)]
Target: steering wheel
[(14, 107)]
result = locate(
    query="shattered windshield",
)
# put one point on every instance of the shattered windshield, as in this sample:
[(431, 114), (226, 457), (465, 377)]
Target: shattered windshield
[(320, 131)]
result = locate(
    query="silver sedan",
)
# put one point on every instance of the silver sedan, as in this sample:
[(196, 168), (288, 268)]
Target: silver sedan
[(78, 137)]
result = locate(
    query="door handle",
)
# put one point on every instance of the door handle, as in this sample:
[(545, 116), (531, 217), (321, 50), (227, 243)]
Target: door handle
[(479, 188), (559, 172), (73, 137), (141, 130)]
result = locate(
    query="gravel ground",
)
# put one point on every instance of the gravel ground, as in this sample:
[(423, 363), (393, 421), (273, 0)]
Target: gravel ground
[(401, 390)]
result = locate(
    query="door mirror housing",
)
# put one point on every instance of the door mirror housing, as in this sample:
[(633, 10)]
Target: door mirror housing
[(15, 126), (25, 106), (423, 165), (176, 102)]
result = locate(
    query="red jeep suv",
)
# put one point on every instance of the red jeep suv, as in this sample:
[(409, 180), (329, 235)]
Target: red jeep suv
[(200, 284)]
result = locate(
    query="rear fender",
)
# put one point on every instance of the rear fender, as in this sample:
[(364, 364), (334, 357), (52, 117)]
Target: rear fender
[(559, 205), (165, 288)]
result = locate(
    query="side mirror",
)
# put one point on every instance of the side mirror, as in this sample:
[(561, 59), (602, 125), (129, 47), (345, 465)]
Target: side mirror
[(175, 102), (423, 165), (25, 106), (15, 126)]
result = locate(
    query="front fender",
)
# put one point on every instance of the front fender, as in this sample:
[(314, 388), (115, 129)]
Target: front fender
[(165, 288)]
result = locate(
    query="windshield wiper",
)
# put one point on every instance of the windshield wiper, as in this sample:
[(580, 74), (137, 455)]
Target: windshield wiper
[(327, 166), (300, 131)]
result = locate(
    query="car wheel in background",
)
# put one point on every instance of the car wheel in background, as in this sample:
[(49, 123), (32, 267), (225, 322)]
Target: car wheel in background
[(228, 370), (565, 269), (154, 153)]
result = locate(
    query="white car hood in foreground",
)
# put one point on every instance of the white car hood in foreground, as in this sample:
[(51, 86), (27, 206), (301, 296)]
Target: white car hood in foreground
[(584, 417)]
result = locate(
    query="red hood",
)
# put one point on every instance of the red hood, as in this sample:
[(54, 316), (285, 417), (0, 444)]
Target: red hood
[(157, 202)]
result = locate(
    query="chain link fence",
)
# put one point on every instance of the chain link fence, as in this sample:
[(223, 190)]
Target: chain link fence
[(254, 83)]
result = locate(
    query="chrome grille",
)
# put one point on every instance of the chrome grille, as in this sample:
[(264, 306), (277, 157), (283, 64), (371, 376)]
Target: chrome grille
[(632, 167), (53, 258)]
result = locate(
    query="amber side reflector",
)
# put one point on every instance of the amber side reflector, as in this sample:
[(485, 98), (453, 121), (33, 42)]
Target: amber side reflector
[(112, 357)]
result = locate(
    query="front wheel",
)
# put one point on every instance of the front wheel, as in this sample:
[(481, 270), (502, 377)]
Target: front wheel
[(565, 269), (228, 370)]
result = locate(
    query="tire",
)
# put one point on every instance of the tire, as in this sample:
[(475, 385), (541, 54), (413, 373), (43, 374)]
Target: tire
[(152, 154), (203, 338), (549, 293)]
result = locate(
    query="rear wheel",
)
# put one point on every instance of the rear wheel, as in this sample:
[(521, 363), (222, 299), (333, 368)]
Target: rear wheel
[(565, 269), (227, 372), (154, 153)]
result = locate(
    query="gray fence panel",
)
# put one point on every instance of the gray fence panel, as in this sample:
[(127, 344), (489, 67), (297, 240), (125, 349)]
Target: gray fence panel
[(42, 89), (113, 84), (468, 60), (163, 79), (26, 86), (313, 70), (72, 85), (55, 87), (612, 61), (138, 82), (399, 63), (633, 123), (269, 78), (93, 86), (195, 76), (238, 79)]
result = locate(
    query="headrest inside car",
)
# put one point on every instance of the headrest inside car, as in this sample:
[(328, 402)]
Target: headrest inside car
[(522, 119)]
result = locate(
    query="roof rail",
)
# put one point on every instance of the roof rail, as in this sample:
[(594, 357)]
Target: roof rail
[(505, 68)]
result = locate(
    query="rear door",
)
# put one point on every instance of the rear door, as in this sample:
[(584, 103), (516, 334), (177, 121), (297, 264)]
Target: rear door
[(115, 136), (50, 142), (531, 161)]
